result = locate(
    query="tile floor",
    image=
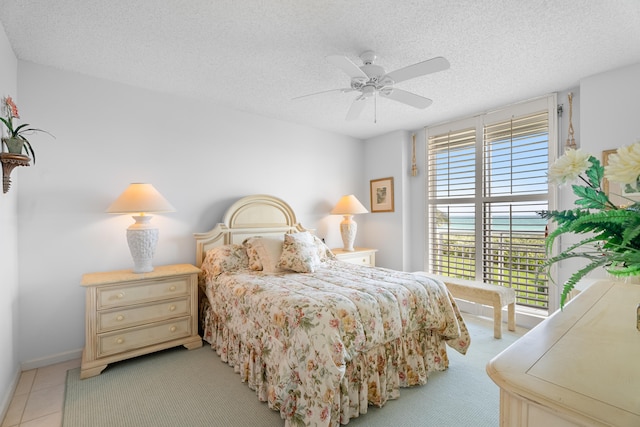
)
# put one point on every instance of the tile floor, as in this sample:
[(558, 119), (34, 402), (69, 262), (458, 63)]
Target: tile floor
[(38, 399)]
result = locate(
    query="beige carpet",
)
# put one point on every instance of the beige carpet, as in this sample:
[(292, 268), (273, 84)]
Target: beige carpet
[(194, 388)]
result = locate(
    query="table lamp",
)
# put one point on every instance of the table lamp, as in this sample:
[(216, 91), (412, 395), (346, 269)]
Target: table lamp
[(142, 237), (348, 206)]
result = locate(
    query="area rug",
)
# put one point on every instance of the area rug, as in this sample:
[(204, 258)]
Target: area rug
[(178, 387)]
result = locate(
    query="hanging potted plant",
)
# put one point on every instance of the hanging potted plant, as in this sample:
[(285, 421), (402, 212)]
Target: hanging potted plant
[(16, 141)]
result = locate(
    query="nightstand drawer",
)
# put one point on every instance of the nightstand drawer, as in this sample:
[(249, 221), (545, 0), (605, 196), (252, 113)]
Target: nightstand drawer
[(130, 339), (363, 260), (117, 296), (139, 315), (360, 256)]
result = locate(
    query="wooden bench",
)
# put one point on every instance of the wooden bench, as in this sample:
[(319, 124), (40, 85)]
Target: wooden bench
[(483, 293)]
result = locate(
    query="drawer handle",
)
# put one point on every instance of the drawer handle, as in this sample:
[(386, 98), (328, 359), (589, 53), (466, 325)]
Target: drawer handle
[(173, 329), (119, 340), (120, 295), (172, 288), (172, 308), (119, 317)]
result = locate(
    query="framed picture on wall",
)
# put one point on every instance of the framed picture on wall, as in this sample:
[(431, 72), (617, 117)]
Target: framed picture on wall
[(618, 195), (382, 195)]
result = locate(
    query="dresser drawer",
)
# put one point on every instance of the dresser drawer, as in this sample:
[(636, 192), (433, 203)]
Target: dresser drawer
[(130, 339), (116, 296), (139, 315)]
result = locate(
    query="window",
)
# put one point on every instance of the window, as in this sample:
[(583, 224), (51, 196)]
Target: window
[(487, 178)]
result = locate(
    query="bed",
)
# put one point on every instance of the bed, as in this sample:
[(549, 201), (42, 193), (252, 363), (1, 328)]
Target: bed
[(317, 338)]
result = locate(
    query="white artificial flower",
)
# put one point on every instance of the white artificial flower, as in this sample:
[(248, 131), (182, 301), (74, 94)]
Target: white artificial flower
[(624, 165), (568, 167)]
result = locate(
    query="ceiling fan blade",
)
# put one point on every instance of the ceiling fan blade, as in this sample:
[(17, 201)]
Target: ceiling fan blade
[(420, 69), (405, 97), (346, 65), (344, 90), (356, 108)]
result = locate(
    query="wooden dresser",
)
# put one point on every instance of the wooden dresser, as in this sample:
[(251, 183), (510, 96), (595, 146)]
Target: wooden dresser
[(129, 314), (580, 367), (362, 256)]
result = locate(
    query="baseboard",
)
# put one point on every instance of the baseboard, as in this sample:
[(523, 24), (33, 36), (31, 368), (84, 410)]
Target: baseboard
[(8, 395), (51, 360)]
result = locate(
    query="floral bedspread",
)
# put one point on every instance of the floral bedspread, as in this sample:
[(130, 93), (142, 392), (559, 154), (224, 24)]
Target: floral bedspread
[(320, 347)]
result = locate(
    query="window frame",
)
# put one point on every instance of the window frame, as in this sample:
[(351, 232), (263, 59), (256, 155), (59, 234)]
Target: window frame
[(548, 103)]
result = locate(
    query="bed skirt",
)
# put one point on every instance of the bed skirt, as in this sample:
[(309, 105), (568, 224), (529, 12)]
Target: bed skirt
[(372, 377)]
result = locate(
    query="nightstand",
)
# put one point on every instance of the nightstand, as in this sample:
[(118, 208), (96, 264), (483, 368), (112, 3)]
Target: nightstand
[(130, 314), (361, 256)]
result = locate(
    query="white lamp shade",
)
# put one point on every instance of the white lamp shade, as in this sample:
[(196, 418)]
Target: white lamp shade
[(349, 205), (140, 198)]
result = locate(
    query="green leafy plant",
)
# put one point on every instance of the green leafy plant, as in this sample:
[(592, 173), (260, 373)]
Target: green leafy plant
[(10, 112), (611, 233)]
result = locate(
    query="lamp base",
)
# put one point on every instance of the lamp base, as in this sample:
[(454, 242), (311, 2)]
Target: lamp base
[(142, 238), (348, 229)]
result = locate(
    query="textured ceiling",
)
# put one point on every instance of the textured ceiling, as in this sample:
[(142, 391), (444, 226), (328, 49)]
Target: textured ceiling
[(256, 55)]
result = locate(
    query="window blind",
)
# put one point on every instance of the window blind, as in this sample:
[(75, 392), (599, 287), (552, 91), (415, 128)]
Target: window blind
[(452, 167), (516, 154), (485, 185), (452, 176)]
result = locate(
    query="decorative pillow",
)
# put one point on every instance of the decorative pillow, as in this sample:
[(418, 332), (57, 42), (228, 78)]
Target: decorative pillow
[(252, 253), (224, 258), (299, 253), (324, 253), (267, 249)]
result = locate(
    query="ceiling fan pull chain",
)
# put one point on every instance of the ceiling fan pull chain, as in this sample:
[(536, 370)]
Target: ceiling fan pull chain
[(375, 108)]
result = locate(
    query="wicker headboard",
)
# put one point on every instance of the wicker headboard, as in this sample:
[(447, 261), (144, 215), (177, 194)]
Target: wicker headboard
[(257, 215)]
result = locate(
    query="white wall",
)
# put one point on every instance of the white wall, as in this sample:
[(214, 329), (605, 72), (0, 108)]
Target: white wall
[(385, 157), (8, 248), (610, 109), (416, 205), (609, 106), (199, 156)]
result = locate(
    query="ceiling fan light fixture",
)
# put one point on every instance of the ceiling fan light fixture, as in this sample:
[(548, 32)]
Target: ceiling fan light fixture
[(386, 91), (368, 91), (358, 83)]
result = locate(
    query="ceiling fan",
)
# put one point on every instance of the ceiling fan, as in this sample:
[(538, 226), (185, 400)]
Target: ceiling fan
[(371, 79)]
